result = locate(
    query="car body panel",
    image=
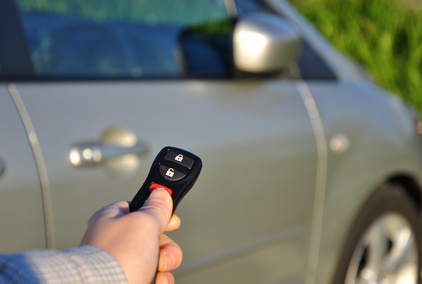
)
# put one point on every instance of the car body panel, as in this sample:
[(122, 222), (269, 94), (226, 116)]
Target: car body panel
[(382, 135), (288, 162), (22, 218), (254, 138)]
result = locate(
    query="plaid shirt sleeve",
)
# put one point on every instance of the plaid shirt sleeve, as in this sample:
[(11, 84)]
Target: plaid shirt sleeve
[(84, 264)]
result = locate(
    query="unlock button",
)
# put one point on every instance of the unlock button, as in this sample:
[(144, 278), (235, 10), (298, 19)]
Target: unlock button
[(171, 174)]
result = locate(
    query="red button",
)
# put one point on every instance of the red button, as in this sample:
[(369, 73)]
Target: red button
[(156, 185)]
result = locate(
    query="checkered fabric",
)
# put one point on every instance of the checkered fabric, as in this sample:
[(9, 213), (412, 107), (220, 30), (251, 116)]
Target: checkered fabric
[(85, 264)]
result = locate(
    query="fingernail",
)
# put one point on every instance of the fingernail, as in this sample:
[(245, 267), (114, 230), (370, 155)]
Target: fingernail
[(159, 193), (168, 261)]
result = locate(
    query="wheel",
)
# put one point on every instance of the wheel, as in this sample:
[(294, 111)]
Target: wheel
[(384, 245)]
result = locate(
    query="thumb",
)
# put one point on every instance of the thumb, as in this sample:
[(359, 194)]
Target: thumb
[(159, 206)]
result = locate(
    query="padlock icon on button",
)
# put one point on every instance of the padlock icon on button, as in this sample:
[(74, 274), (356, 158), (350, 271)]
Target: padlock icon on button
[(179, 158), (170, 172)]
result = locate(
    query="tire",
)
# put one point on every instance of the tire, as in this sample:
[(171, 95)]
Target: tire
[(384, 245)]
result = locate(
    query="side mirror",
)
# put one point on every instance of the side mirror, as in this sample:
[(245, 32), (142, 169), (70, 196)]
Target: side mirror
[(264, 43)]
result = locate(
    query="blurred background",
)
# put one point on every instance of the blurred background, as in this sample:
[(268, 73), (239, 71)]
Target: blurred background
[(384, 36)]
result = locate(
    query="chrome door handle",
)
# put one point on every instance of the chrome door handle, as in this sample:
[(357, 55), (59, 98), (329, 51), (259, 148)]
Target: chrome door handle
[(96, 153), (117, 150)]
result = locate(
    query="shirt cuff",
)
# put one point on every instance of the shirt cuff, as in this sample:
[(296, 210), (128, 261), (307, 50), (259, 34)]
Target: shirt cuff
[(86, 264)]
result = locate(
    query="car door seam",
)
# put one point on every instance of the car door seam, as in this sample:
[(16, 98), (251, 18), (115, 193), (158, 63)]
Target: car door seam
[(40, 163), (320, 182)]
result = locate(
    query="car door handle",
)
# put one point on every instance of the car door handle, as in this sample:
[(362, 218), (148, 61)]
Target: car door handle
[(97, 153)]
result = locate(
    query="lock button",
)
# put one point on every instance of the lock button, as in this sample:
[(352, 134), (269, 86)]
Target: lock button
[(170, 173), (176, 157)]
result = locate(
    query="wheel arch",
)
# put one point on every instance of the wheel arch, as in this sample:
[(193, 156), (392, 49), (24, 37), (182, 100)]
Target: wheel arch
[(411, 188), (335, 235)]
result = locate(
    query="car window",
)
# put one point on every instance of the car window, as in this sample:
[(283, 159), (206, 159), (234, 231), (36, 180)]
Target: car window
[(312, 67), (112, 37), (138, 38)]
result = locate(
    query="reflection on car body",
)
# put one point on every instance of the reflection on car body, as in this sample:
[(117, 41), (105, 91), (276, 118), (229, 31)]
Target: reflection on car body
[(311, 172)]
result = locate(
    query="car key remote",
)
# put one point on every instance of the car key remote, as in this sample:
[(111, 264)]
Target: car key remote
[(173, 169)]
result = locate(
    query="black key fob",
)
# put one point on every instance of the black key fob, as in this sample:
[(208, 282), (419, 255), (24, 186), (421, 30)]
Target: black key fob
[(173, 169)]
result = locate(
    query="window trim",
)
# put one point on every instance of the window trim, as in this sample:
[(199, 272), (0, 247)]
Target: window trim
[(14, 56)]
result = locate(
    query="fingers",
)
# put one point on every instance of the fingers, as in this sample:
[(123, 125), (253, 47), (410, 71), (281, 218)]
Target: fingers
[(122, 205), (174, 223), (113, 210), (164, 278), (170, 254), (159, 206), (170, 258), (137, 252), (101, 219)]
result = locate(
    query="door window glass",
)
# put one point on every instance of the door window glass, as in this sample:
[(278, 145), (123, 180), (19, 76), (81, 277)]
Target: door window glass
[(141, 38), (111, 37)]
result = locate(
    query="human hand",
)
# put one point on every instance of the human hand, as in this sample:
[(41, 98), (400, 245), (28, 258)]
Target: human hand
[(136, 240)]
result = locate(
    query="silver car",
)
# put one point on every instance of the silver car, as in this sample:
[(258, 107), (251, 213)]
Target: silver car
[(312, 173)]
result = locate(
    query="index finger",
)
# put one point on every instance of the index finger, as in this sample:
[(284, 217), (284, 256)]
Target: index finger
[(174, 223)]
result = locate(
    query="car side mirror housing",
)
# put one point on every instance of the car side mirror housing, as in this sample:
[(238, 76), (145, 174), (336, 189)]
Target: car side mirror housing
[(264, 43)]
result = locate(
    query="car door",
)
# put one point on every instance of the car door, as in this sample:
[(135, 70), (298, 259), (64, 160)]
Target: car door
[(251, 208), (22, 215), (254, 138)]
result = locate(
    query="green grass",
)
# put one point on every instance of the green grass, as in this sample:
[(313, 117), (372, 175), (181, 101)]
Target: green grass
[(384, 36)]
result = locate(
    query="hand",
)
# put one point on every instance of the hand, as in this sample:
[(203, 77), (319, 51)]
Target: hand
[(135, 240)]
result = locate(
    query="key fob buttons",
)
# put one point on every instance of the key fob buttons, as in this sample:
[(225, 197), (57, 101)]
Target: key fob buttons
[(170, 173), (179, 158)]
